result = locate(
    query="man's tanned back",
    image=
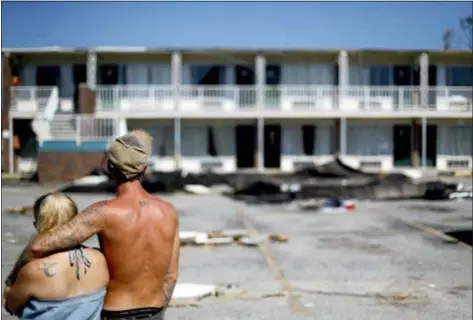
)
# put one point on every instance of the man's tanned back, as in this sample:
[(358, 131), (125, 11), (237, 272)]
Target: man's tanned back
[(140, 243)]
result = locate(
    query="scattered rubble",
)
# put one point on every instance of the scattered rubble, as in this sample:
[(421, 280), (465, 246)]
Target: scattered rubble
[(20, 210), (332, 180), (226, 237)]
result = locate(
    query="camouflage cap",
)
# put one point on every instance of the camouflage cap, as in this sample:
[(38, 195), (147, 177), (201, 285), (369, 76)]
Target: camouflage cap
[(130, 153)]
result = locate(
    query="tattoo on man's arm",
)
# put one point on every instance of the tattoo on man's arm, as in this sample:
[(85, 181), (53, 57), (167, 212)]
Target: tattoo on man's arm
[(168, 289), (73, 233), (48, 269)]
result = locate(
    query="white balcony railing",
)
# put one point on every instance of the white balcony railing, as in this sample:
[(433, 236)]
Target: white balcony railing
[(83, 128), (30, 99), (284, 98), (363, 99), (191, 98), (451, 99)]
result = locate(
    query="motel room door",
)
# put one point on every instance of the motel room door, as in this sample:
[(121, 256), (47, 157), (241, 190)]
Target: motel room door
[(431, 145), (272, 146), (402, 142)]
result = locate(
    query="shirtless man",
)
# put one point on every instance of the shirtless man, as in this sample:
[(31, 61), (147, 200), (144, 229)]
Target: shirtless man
[(138, 235)]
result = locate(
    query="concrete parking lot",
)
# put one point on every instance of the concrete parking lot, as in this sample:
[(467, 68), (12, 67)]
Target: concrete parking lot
[(369, 264)]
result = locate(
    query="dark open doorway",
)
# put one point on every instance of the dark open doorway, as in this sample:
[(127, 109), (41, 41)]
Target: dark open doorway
[(431, 145), (245, 141), (207, 75), (272, 96), (272, 146), (245, 76), (108, 74), (28, 146), (402, 144), (49, 76), (79, 72)]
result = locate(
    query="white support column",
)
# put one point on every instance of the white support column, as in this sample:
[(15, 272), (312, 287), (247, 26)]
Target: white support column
[(260, 75), (176, 68), (424, 80), (343, 136), (343, 76), (177, 143), (122, 126), (176, 75), (11, 157), (260, 144), (91, 69), (424, 143)]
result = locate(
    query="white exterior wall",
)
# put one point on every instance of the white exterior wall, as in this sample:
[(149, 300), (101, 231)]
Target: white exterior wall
[(147, 73), (292, 151), (454, 143), (370, 141), (195, 146), (307, 74)]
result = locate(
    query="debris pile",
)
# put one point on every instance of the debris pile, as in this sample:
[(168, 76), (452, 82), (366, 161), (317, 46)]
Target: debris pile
[(332, 181), (226, 237)]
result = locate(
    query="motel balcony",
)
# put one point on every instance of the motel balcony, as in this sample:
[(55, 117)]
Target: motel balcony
[(289, 100), (234, 101)]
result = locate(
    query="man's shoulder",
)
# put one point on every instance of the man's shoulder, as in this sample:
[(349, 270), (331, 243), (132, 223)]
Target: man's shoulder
[(167, 207)]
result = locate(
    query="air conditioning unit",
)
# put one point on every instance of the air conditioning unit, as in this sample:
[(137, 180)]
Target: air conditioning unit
[(306, 103), (453, 103), (374, 164), (458, 164), (297, 165), (211, 165), (218, 104), (376, 104)]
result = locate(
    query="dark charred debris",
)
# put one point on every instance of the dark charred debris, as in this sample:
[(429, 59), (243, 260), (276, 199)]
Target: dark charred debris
[(334, 180)]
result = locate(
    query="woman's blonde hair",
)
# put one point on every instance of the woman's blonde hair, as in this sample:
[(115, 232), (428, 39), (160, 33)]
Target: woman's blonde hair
[(53, 210)]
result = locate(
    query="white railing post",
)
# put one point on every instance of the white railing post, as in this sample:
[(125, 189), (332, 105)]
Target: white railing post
[(115, 99), (34, 101), (400, 97), (78, 130)]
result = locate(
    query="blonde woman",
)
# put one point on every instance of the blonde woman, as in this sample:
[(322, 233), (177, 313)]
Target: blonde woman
[(69, 284)]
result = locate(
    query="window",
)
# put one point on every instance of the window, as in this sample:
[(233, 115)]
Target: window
[(369, 140), (207, 75), (461, 76), (380, 76)]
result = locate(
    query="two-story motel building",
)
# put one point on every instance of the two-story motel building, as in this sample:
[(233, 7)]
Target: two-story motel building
[(228, 110)]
